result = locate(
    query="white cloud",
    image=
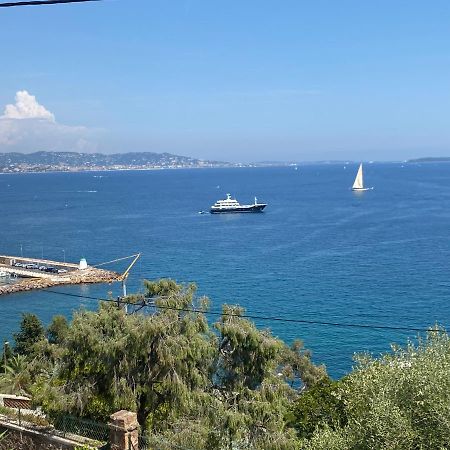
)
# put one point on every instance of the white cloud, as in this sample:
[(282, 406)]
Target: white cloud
[(27, 107), (28, 126)]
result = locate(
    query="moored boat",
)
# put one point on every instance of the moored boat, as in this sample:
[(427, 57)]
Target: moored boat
[(231, 205)]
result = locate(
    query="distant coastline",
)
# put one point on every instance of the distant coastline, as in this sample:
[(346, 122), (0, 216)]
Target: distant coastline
[(430, 159), (43, 162), (53, 162)]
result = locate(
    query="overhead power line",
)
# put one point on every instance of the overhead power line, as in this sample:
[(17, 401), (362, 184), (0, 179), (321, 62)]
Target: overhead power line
[(43, 2), (249, 316)]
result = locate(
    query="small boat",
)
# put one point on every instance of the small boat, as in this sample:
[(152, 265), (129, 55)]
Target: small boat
[(358, 185), (231, 205), (4, 274)]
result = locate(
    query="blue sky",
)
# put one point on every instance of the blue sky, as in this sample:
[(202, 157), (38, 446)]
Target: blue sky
[(237, 80)]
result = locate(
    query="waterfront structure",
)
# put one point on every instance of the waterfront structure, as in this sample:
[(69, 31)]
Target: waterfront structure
[(32, 273)]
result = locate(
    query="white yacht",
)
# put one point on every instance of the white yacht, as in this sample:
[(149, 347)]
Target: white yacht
[(231, 205)]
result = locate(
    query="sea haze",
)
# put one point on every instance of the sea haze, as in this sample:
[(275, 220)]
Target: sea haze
[(319, 253)]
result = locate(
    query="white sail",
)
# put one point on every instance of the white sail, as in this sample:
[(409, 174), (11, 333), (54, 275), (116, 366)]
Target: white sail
[(359, 182)]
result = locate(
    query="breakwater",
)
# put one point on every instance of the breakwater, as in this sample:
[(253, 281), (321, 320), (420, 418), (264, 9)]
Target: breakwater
[(26, 274)]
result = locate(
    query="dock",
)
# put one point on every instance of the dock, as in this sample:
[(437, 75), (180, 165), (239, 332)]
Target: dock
[(31, 273)]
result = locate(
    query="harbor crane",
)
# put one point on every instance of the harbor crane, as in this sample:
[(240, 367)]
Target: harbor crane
[(123, 278)]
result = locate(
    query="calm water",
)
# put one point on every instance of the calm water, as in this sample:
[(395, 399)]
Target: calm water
[(319, 252)]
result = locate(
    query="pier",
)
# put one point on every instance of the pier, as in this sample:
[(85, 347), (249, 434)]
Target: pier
[(27, 274)]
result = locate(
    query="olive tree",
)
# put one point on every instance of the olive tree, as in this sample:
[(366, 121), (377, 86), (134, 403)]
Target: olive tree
[(398, 401)]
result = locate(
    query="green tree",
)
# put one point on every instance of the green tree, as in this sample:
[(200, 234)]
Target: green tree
[(298, 367), (225, 386), (246, 355), (249, 393), (398, 401), (320, 406), (31, 331), (247, 398), (402, 397), (154, 364), (57, 330)]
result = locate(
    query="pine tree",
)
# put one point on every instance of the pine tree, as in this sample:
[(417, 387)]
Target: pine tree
[(31, 331), (192, 384)]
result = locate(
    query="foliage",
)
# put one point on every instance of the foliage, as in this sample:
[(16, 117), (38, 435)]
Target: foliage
[(319, 406), (195, 385), (246, 355), (6, 355), (228, 385), (153, 364), (398, 401), (6, 411), (327, 438), (16, 377), (31, 331), (297, 366), (18, 414), (57, 330)]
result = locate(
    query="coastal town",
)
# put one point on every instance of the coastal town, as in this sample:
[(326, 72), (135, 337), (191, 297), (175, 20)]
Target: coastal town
[(78, 162)]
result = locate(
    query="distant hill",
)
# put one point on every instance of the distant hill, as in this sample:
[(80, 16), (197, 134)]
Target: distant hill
[(73, 161), (431, 159)]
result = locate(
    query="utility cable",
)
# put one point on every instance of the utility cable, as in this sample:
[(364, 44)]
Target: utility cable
[(248, 316), (43, 2)]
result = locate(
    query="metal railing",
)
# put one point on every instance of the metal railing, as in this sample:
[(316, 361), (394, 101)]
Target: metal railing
[(143, 443), (73, 428), (70, 426)]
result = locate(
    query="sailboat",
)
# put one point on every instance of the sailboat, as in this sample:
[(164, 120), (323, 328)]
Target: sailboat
[(358, 185)]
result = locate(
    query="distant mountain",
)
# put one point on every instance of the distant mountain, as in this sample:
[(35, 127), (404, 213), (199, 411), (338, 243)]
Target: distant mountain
[(73, 161)]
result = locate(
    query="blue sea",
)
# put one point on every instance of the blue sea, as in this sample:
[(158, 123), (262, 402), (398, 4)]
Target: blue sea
[(318, 253)]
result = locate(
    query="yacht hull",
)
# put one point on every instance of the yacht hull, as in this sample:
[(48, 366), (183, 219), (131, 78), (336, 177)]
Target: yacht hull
[(240, 209)]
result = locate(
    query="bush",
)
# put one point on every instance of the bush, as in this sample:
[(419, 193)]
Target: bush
[(399, 401), (320, 406)]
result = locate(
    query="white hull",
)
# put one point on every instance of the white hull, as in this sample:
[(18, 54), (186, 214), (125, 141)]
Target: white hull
[(231, 205), (257, 207), (361, 189)]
